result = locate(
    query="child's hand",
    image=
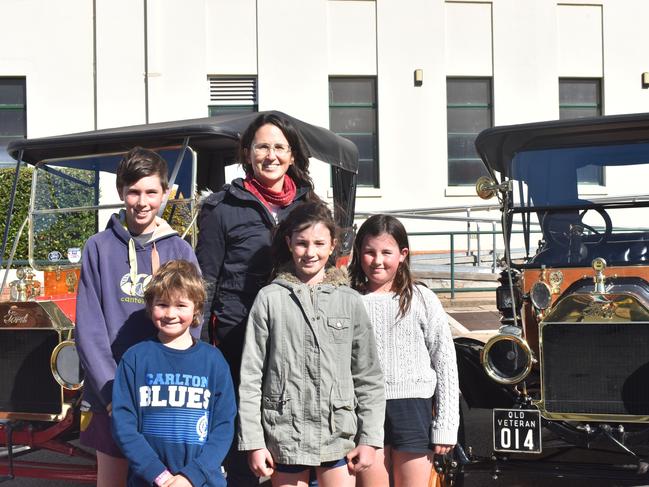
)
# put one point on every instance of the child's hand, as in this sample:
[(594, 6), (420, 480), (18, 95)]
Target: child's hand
[(109, 409), (261, 462), (178, 481), (442, 449), (360, 458)]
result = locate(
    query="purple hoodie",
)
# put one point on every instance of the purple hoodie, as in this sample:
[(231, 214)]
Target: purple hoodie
[(111, 314)]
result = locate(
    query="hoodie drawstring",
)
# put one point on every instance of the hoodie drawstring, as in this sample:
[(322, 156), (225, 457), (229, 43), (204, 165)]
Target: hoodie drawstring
[(132, 254), (155, 259), (132, 262)]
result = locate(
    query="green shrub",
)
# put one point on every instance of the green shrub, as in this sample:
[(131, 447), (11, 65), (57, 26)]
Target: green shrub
[(59, 231), (21, 205)]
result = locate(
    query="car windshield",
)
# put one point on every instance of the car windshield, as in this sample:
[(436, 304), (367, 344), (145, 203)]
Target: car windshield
[(581, 176), (74, 198), (584, 202)]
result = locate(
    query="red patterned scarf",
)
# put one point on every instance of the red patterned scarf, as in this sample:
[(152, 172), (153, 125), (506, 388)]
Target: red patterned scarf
[(267, 196)]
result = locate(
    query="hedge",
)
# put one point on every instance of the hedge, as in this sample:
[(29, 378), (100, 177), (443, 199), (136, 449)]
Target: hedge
[(61, 231), (21, 205)]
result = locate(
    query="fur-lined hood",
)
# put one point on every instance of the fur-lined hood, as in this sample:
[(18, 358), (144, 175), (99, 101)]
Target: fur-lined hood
[(333, 276)]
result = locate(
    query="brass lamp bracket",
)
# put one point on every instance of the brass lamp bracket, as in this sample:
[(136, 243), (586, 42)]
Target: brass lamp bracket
[(599, 265)]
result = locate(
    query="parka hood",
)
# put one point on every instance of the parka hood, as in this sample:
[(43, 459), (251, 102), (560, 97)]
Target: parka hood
[(333, 276)]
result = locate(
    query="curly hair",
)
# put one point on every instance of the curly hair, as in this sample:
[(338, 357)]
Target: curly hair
[(177, 277)]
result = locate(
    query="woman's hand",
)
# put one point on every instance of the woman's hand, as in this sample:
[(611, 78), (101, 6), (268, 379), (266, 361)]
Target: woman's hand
[(178, 481), (442, 449), (261, 462), (360, 458)]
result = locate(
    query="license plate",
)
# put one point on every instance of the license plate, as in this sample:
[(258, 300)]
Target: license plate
[(517, 430)]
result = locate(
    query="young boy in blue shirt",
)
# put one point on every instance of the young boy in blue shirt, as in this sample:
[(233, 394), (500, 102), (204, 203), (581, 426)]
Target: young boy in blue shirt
[(116, 266), (173, 399)]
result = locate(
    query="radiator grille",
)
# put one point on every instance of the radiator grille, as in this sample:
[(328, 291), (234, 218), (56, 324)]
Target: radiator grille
[(26, 381), (596, 368)]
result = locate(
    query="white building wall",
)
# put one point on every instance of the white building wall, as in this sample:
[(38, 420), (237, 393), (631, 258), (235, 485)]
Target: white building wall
[(52, 47), (351, 38), (412, 119), (625, 56), (231, 37), (176, 66), (526, 85), (579, 36), (293, 46), (468, 39), (120, 63)]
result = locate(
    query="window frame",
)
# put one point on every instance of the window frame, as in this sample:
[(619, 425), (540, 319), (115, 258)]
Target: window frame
[(373, 106), (5, 159), (489, 105), (597, 105)]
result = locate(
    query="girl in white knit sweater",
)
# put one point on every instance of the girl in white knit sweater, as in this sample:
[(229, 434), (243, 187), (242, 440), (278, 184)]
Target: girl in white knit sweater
[(416, 353)]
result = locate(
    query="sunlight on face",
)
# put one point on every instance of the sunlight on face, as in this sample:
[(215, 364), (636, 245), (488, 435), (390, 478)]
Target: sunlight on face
[(269, 168), (380, 259), (311, 249), (142, 200), (172, 316)]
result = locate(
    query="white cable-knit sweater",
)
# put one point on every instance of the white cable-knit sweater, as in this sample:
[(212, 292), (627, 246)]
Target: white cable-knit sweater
[(417, 355)]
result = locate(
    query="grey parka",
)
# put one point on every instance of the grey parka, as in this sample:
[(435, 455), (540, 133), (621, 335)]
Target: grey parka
[(311, 383)]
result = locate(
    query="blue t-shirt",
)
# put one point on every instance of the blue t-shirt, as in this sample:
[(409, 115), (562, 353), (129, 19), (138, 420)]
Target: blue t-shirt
[(175, 410)]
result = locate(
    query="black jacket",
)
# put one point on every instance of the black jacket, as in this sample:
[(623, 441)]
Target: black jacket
[(234, 255)]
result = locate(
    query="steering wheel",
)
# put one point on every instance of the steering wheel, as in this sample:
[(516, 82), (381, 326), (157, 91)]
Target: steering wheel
[(561, 231)]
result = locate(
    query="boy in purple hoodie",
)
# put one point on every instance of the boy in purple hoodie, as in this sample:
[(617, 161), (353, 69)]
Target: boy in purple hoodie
[(116, 266)]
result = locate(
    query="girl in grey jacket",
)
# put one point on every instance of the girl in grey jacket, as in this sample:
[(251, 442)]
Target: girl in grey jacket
[(311, 392)]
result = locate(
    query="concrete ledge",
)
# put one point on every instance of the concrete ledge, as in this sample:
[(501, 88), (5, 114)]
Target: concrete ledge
[(459, 276), (477, 299)]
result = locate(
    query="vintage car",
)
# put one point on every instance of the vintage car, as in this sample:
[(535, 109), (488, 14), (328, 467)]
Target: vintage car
[(566, 378), (72, 196)]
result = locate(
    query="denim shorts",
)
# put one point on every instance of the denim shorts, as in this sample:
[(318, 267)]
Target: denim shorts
[(96, 433), (407, 424), (282, 467)]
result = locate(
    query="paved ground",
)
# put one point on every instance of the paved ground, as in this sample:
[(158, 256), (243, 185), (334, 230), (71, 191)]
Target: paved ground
[(472, 314)]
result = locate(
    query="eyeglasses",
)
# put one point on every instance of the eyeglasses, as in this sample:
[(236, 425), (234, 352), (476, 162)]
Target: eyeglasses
[(264, 149)]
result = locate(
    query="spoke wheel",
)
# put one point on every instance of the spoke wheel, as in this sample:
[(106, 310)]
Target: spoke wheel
[(451, 474)]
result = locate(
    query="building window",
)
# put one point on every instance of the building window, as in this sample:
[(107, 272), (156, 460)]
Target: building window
[(580, 98), (352, 114), (229, 94), (468, 112), (13, 114)]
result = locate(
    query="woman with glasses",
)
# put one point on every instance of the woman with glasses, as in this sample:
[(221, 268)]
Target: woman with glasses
[(233, 249)]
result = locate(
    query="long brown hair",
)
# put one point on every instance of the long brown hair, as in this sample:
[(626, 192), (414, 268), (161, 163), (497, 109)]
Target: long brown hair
[(299, 170), (403, 284), (302, 216)]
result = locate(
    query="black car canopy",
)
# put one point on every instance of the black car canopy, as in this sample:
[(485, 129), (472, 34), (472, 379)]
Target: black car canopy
[(216, 133), (499, 145), (208, 137)]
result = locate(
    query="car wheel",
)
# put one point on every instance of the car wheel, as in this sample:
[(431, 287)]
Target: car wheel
[(447, 472)]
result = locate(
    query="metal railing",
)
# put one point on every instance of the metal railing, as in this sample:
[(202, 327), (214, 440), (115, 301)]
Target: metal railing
[(472, 232)]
